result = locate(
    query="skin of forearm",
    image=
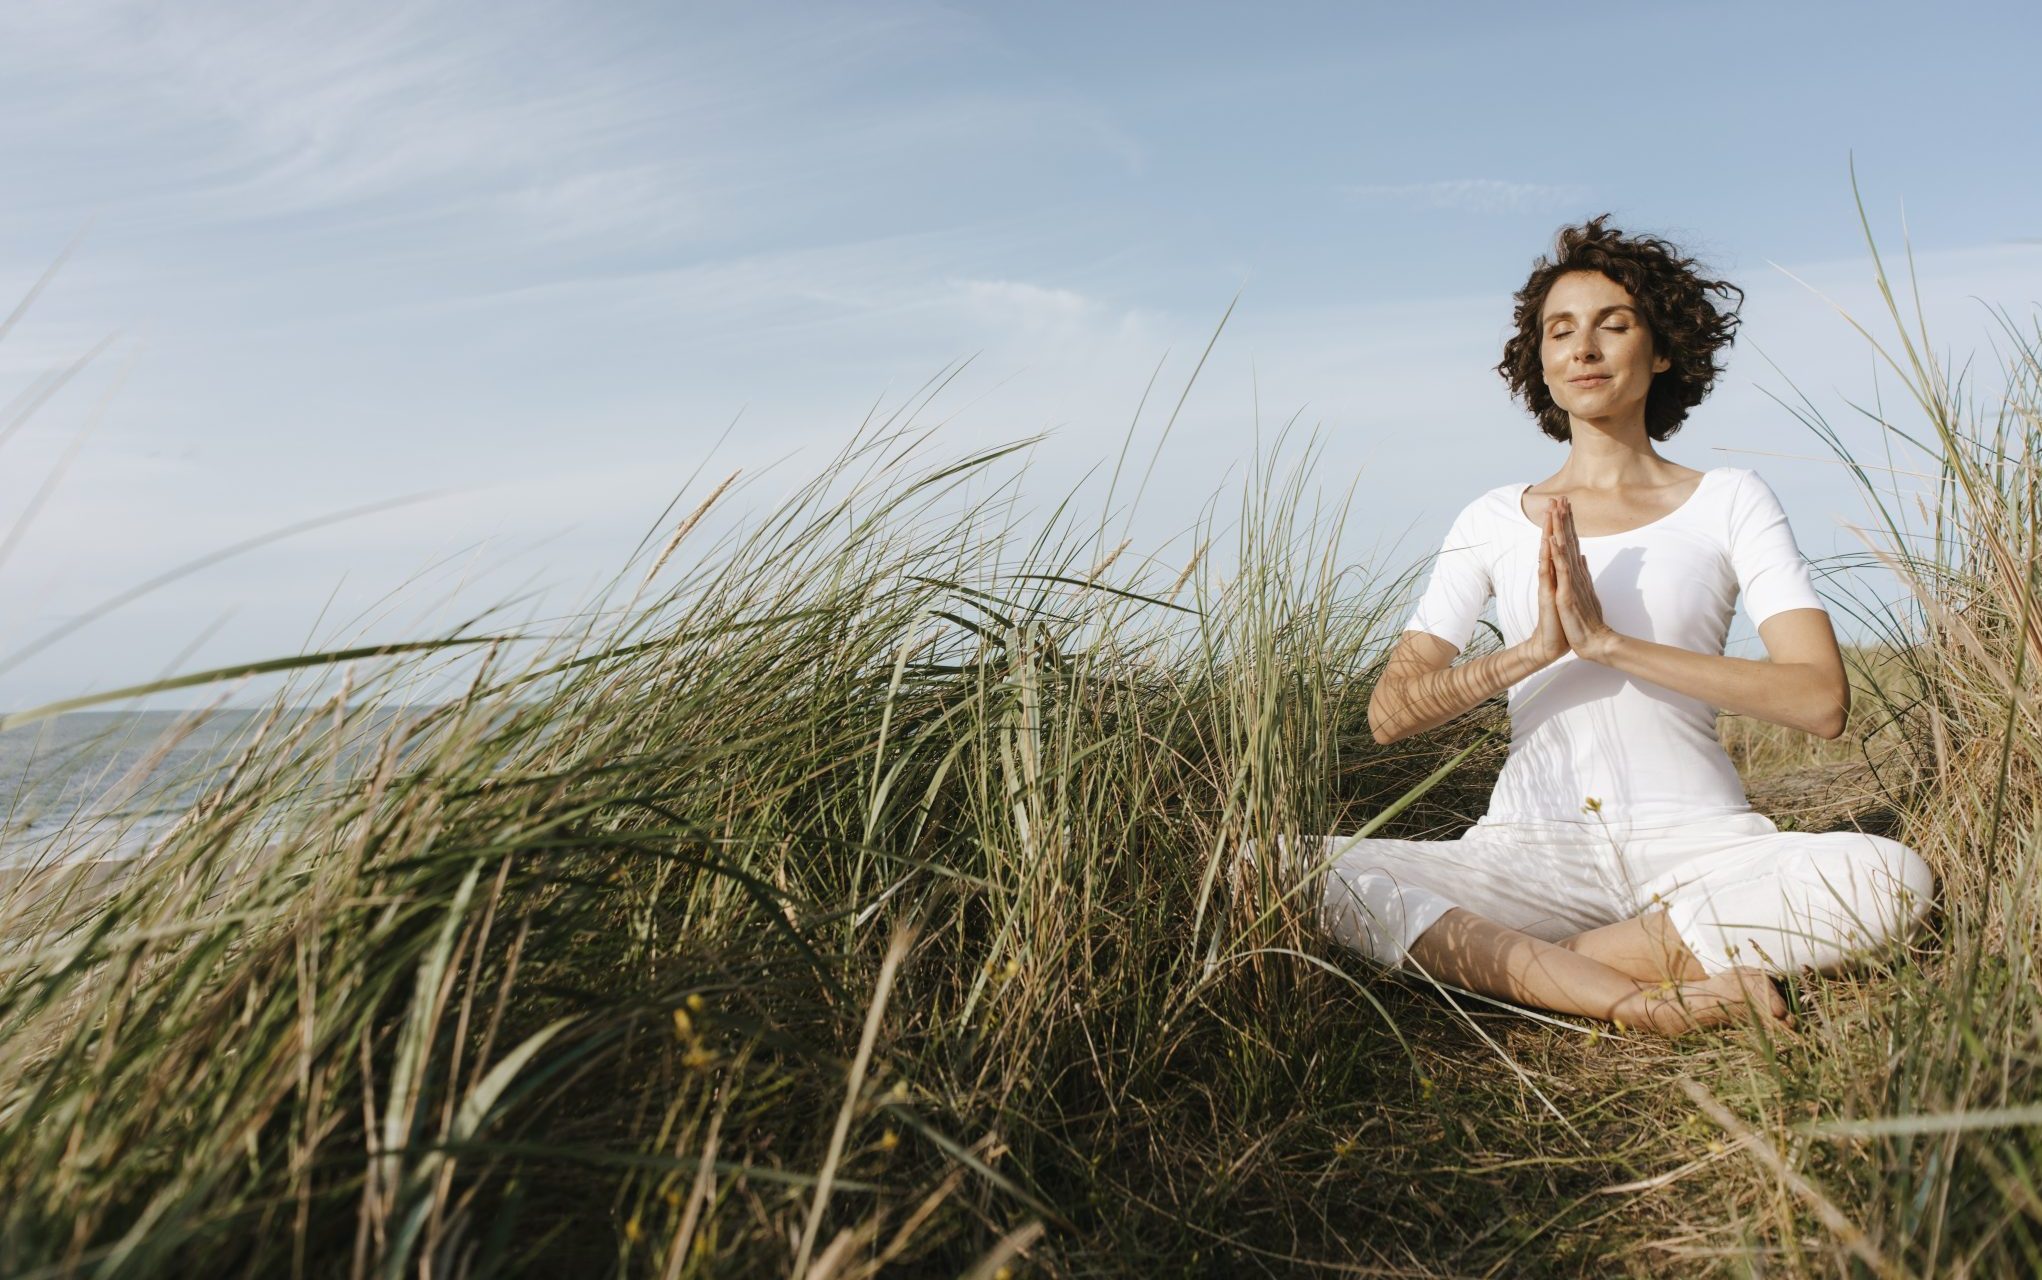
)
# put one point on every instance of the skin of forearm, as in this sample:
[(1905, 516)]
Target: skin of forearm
[(1798, 695), (1403, 705)]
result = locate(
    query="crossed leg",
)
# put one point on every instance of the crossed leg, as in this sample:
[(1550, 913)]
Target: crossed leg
[(1634, 973), (1442, 907), (1644, 947)]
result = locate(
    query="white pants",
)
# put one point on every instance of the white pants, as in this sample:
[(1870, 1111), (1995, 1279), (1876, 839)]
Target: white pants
[(1737, 889)]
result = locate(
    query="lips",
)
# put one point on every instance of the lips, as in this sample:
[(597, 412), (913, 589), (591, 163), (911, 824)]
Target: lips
[(1593, 380)]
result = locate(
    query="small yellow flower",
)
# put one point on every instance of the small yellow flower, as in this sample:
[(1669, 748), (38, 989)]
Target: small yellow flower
[(632, 1230), (899, 1092), (1012, 970), (1003, 1273), (1590, 804), (673, 1197), (696, 1002), (1715, 1147), (684, 1026), (697, 1058), (888, 1140)]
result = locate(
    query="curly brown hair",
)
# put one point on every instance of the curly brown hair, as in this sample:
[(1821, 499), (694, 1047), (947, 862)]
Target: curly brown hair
[(1673, 300)]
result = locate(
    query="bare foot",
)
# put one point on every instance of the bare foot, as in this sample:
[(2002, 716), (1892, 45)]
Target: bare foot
[(1720, 999)]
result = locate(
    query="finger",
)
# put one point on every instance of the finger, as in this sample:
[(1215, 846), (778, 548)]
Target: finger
[(1570, 538)]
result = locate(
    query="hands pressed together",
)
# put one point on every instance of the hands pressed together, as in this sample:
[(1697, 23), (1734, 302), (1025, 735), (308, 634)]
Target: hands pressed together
[(1570, 615)]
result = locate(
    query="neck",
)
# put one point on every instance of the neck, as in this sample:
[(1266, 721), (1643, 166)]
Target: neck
[(1604, 454)]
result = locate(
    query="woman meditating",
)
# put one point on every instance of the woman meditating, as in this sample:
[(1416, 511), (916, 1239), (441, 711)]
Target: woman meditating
[(1619, 872)]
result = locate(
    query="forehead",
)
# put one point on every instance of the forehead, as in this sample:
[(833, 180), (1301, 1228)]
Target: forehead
[(1584, 291)]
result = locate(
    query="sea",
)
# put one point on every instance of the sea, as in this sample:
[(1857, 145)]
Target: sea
[(90, 785)]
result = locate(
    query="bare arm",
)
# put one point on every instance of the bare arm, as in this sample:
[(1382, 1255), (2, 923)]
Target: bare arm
[(1802, 684), (1419, 689)]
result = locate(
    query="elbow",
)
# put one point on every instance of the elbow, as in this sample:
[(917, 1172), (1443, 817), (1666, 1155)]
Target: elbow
[(1383, 737), (1378, 728), (1834, 714)]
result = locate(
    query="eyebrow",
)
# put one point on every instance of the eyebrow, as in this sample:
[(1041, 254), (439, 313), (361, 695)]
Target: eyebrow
[(1569, 315)]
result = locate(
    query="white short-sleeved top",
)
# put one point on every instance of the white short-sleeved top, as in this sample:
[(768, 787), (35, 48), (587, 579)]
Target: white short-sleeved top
[(1580, 730)]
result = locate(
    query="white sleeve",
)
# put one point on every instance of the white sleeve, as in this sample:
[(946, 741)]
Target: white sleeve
[(1459, 585), (1772, 574)]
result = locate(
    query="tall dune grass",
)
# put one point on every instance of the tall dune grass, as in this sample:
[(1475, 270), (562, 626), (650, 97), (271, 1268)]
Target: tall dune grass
[(591, 962), (861, 894), (1918, 1096)]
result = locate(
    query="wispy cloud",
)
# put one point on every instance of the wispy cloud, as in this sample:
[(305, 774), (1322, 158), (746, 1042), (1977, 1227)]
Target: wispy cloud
[(1031, 301), (451, 127), (1472, 195), (505, 118)]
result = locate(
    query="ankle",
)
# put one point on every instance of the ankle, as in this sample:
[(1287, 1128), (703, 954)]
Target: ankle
[(1632, 1010)]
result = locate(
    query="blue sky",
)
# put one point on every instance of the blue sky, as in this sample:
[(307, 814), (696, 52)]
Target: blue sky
[(532, 258)]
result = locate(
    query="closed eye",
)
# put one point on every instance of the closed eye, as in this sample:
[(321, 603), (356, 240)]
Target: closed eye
[(1613, 328)]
